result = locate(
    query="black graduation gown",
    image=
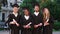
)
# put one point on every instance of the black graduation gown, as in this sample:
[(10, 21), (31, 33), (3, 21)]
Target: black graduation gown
[(25, 22), (13, 27), (48, 29), (37, 19)]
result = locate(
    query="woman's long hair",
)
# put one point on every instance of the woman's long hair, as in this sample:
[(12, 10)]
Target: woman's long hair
[(46, 14)]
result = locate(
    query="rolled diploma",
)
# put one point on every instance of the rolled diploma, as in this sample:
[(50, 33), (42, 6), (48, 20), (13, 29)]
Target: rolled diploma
[(14, 21), (47, 20)]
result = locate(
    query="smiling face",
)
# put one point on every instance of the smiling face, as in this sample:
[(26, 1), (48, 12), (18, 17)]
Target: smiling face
[(36, 8), (15, 9)]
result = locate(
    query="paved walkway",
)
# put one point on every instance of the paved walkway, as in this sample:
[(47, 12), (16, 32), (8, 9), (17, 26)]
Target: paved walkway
[(57, 32), (7, 32), (4, 32)]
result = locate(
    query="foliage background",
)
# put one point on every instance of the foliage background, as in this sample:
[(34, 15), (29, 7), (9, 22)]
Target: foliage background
[(52, 5)]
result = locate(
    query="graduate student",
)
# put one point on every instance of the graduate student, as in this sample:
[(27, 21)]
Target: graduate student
[(48, 21), (37, 20), (14, 20), (26, 21)]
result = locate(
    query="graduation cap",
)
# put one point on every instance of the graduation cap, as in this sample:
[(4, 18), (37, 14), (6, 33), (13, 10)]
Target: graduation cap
[(15, 5)]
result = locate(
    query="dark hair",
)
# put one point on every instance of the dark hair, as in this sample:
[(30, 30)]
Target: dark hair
[(37, 5), (15, 5), (25, 8)]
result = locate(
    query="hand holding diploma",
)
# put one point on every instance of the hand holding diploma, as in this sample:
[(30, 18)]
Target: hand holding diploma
[(46, 23), (28, 25), (15, 22), (40, 24), (35, 26), (12, 22)]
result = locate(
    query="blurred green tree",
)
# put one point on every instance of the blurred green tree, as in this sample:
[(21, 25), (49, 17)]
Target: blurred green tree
[(52, 5), (28, 3)]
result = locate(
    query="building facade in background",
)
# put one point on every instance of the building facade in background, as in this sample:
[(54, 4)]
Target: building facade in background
[(6, 8)]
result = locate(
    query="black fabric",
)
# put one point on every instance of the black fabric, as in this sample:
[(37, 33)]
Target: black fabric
[(49, 28), (13, 27), (14, 31), (37, 20), (25, 22)]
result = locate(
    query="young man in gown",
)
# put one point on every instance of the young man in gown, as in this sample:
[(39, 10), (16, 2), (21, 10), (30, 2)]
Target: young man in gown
[(26, 21), (14, 20), (37, 20)]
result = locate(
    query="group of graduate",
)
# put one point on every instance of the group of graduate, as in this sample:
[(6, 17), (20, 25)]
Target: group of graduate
[(38, 22)]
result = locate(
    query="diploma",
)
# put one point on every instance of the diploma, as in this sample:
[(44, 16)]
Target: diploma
[(14, 21), (47, 20)]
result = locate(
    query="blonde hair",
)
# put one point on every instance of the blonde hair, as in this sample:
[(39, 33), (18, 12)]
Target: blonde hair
[(46, 14)]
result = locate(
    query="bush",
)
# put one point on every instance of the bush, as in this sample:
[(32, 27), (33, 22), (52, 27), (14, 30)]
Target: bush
[(57, 25)]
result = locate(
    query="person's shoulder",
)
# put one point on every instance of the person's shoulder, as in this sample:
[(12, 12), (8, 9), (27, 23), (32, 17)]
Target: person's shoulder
[(9, 16)]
